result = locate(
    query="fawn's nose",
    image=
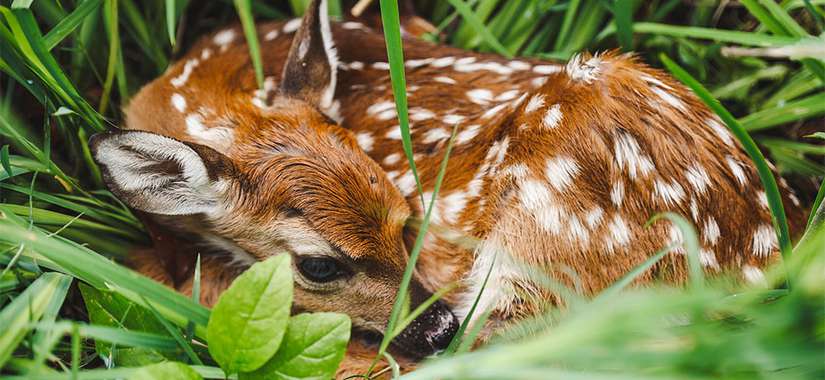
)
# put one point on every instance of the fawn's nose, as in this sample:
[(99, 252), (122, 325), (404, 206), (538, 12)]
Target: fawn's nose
[(430, 333)]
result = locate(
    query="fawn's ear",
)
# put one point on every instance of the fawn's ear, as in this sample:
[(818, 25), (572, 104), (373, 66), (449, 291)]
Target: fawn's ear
[(310, 70), (160, 175)]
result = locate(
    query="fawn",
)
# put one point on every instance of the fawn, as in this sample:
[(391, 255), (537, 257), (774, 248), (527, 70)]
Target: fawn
[(554, 167)]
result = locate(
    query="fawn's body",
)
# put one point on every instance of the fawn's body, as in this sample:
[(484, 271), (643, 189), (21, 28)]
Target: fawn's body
[(555, 167)]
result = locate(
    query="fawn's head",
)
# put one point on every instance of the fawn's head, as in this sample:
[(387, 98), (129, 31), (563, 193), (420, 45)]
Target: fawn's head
[(291, 180)]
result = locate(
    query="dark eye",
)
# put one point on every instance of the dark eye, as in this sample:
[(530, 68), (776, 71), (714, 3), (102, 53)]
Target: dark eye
[(320, 269)]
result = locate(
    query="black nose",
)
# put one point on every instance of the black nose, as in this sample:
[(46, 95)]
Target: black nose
[(428, 334)]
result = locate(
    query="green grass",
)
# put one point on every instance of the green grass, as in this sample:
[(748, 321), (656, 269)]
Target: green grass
[(68, 67)]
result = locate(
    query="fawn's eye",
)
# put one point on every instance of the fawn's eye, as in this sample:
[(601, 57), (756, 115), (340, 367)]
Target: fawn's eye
[(320, 269)]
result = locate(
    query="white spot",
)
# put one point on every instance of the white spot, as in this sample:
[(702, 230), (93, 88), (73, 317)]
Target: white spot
[(694, 209), (669, 98), (467, 134), (494, 111), (583, 71), (546, 69), (470, 67), (292, 25), (577, 230), (480, 96), (619, 232), (435, 134), (465, 61), (629, 156), (737, 170), (507, 95), (764, 241), (552, 117), (413, 63), (421, 114), (518, 65), (352, 25), (676, 239), (188, 67), (452, 119), (654, 81), (594, 217), (392, 159), (560, 172), (453, 205), (178, 102), (206, 53), (720, 131), (763, 199), (381, 65), (224, 37), (753, 275), (538, 82), (387, 114), (443, 79), (708, 259), (214, 137), (271, 35), (442, 62), (536, 102), (711, 231), (354, 65), (406, 183), (394, 133), (617, 193), (698, 177), (536, 198), (671, 193), (380, 107), (365, 140), (517, 170)]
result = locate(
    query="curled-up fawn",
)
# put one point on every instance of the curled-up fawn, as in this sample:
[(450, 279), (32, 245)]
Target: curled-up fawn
[(554, 167)]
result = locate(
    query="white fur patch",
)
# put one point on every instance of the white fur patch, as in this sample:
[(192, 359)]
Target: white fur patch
[(421, 114), (224, 38), (560, 172), (629, 156), (392, 159), (711, 231), (519, 65), (536, 102), (594, 217), (720, 131), (480, 96), (380, 107), (179, 102), (434, 135), (671, 192), (737, 170), (617, 193), (381, 65), (292, 25), (754, 275), (467, 134), (763, 199), (546, 69), (394, 133), (271, 35), (698, 177), (764, 241), (452, 119), (552, 118), (442, 62), (669, 98), (406, 183), (619, 233), (365, 140), (585, 72), (536, 198), (188, 67), (445, 79)]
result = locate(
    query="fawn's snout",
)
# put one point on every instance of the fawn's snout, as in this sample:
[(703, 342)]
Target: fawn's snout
[(430, 333)]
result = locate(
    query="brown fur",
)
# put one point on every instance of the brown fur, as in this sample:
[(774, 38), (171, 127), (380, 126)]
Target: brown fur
[(497, 170)]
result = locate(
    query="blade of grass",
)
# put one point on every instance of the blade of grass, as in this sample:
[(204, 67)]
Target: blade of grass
[(67, 25), (470, 17), (244, 9), (801, 109)]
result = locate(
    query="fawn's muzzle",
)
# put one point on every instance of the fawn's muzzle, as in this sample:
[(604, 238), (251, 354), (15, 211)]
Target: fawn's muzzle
[(428, 334)]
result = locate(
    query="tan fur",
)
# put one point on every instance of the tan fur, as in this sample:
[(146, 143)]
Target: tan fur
[(590, 110)]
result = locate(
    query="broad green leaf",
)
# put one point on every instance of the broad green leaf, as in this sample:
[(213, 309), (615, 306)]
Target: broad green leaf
[(312, 348), (28, 307), (166, 371), (250, 318), (111, 309)]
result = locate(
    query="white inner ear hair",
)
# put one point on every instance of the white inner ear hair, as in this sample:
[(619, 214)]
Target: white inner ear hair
[(133, 160), (332, 56)]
